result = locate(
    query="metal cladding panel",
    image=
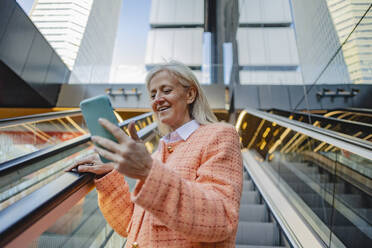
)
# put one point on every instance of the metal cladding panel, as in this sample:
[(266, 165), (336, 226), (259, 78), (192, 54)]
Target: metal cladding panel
[(58, 71), (267, 46), (17, 93), (180, 44), (177, 12), (17, 40), (36, 66), (270, 77), (6, 10), (251, 46), (246, 95), (264, 11)]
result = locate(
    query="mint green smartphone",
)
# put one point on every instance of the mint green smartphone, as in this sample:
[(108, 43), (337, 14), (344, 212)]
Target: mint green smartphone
[(95, 108)]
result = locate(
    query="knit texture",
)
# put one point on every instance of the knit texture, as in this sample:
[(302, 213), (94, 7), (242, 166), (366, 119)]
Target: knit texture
[(190, 198)]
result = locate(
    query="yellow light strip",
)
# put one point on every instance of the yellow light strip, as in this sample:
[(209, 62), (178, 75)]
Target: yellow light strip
[(344, 115), (118, 116), (55, 125), (240, 120), (295, 143), (256, 133), (64, 125), (319, 147), (289, 142), (368, 137), (35, 133), (329, 114), (267, 131), (280, 140), (73, 123), (149, 121)]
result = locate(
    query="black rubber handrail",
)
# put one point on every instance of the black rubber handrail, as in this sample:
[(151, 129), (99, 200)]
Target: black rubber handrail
[(31, 158), (365, 127), (38, 117), (21, 215), (361, 147)]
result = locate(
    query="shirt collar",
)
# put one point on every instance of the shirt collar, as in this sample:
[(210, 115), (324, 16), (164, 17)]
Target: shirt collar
[(182, 133)]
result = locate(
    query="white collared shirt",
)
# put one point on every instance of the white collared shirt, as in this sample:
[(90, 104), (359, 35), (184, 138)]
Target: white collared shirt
[(181, 133)]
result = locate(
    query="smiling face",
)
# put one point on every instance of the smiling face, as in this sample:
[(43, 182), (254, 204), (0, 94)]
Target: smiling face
[(170, 100)]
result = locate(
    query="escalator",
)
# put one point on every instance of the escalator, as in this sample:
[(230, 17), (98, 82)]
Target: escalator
[(294, 194), (42, 206), (355, 123), (325, 175), (55, 208)]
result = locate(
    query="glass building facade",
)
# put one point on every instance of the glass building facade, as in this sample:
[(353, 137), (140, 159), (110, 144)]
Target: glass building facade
[(74, 29)]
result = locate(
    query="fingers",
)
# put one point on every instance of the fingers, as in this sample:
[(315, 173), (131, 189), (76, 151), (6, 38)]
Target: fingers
[(114, 130), (87, 160), (133, 132), (109, 155), (107, 144)]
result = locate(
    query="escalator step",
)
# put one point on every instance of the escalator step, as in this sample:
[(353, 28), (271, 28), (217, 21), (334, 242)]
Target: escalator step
[(256, 233), (355, 201), (247, 185), (314, 201), (250, 197), (301, 188), (366, 213), (253, 213)]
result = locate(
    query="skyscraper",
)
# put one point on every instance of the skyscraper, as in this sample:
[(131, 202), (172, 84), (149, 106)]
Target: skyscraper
[(266, 44), (82, 32), (357, 51), (267, 47), (318, 43), (176, 33)]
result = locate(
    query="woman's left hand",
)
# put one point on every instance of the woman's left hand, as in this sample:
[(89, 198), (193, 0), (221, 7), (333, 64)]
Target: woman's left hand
[(129, 155)]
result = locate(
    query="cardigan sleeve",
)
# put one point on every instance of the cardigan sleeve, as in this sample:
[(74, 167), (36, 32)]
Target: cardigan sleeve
[(114, 201), (204, 210)]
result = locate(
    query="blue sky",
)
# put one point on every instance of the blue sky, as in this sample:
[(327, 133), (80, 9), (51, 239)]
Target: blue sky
[(130, 44)]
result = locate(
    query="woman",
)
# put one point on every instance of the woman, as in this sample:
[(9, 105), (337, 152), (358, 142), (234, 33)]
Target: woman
[(188, 191)]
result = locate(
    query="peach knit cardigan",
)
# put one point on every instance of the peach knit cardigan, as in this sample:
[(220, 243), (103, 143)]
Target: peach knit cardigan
[(190, 198)]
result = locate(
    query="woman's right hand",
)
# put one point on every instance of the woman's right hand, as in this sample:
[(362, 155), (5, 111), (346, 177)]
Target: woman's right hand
[(92, 164)]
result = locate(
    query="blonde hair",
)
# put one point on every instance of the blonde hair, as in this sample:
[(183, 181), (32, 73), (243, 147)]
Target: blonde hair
[(199, 109)]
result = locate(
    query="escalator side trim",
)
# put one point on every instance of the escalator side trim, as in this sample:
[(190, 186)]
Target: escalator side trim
[(363, 149), (360, 125), (37, 117)]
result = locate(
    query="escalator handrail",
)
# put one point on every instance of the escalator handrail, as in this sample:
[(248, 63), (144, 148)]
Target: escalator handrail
[(360, 125), (38, 117), (359, 110), (22, 214), (349, 143), (29, 159)]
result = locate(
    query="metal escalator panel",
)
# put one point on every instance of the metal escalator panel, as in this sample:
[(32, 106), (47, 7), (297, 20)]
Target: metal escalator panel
[(24, 135), (328, 178)]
